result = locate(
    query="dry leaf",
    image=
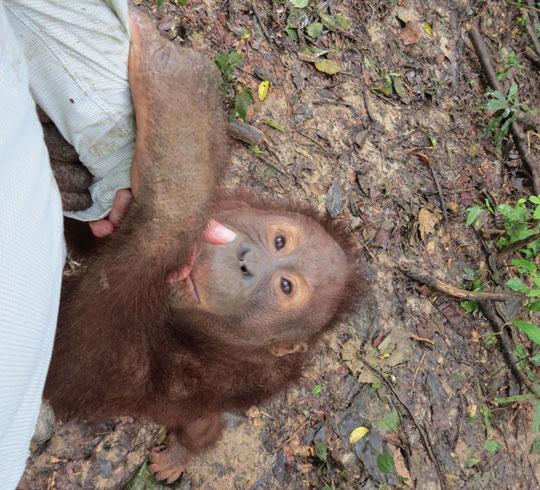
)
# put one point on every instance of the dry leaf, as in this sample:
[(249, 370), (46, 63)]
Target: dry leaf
[(401, 465), (410, 34), (426, 223), (327, 66)]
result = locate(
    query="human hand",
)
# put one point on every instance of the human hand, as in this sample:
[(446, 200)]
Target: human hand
[(105, 227)]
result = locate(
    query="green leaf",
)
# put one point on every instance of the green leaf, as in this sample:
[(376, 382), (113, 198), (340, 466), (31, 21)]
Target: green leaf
[(487, 417), (516, 284), (299, 4), (342, 22), (292, 33), (316, 390), (335, 23), (385, 463), (227, 62), (469, 274), (495, 105), (473, 214), (321, 451), (297, 19), (512, 91), (274, 124), (535, 199), (536, 418), (495, 94), (491, 445), (182, 3), (529, 329), (524, 265), (268, 172), (534, 306), (314, 30), (521, 355), (389, 422), (160, 3), (469, 306), (255, 149), (535, 448), (242, 102), (534, 293), (536, 214), (471, 461)]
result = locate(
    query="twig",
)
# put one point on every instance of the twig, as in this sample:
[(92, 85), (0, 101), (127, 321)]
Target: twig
[(528, 24), (509, 249), (296, 431), (533, 10), (423, 433), (427, 161), (497, 326), (258, 17), (231, 10), (426, 278), (246, 133), (517, 132), (422, 339), (529, 52)]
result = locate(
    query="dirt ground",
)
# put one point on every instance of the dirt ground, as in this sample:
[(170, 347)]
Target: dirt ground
[(392, 145)]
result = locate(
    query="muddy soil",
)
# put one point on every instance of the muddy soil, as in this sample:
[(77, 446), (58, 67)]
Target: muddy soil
[(392, 145)]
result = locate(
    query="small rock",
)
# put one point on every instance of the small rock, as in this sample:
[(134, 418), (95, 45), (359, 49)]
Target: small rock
[(334, 199), (45, 424)]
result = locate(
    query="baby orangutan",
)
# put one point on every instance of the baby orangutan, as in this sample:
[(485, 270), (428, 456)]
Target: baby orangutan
[(137, 338)]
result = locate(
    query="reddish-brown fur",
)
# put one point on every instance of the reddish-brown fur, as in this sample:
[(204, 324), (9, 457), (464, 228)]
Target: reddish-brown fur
[(120, 348)]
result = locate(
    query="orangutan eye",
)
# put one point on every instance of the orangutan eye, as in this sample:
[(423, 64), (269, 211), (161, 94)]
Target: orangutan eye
[(279, 242), (285, 286)]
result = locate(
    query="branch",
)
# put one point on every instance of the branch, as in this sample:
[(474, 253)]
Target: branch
[(426, 278), (517, 132)]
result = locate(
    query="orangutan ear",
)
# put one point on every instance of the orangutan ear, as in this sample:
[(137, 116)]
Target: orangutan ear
[(284, 349)]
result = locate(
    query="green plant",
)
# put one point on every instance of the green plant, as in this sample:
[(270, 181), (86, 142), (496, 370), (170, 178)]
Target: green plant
[(307, 17), (503, 109), (474, 283), (242, 101), (227, 63), (521, 224), (511, 61)]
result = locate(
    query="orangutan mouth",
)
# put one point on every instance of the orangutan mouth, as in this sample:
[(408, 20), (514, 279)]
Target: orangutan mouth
[(191, 284)]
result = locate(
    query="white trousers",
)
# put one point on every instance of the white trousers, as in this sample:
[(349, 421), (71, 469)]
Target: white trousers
[(70, 57)]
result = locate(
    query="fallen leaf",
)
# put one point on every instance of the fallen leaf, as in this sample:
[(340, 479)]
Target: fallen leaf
[(274, 124), (262, 90), (336, 22), (407, 15), (335, 199), (401, 466), (314, 30), (427, 29), (327, 66), (410, 34), (426, 222), (357, 434)]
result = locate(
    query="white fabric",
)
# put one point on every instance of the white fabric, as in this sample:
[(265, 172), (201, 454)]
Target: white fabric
[(31, 259), (77, 52)]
